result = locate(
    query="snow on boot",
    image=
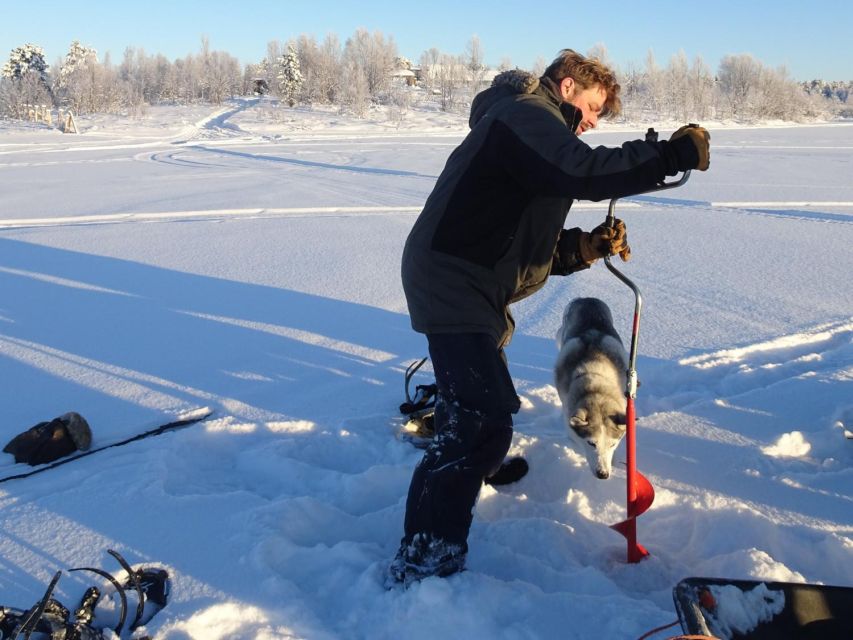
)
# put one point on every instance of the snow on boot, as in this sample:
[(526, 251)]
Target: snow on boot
[(428, 556)]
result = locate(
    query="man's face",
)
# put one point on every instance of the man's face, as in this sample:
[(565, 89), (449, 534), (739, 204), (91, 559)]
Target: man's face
[(589, 101)]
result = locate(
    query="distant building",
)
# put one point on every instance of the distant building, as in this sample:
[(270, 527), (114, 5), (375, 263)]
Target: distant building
[(405, 75)]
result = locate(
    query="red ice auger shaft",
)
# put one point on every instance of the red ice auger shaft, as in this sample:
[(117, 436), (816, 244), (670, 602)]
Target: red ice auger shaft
[(640, 493)]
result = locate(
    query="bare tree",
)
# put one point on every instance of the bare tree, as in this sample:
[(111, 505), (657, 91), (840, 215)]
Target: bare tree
[(452, 74), (655, 85), (701, 89), (475, 63), (676, 87), (600, 53), (308, 54), (738, 76), (329, 69), (429, 62), (355, 93), (374, 56)]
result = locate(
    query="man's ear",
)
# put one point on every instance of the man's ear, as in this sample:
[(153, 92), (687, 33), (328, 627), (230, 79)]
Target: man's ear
[(567, 88)]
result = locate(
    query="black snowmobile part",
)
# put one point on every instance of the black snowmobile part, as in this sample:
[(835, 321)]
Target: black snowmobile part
[(147, 434), (33, 616), (419, 429), (155, 584), (119, 589), (424, 397), (86, 611), (11, 621), (811, 611), (133, 579)]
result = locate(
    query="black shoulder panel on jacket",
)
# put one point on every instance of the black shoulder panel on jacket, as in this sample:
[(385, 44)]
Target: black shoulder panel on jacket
[(483, 213)]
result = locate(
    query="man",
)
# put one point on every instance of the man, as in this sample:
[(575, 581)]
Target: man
[(490, 234)]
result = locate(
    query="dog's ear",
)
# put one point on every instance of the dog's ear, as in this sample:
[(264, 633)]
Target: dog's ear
[(580, 419)]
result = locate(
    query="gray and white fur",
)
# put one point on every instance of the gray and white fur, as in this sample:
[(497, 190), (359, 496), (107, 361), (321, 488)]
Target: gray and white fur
[(590, 375)]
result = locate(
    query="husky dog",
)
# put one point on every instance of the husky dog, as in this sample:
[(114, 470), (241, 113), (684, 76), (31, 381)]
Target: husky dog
[(590, 376)]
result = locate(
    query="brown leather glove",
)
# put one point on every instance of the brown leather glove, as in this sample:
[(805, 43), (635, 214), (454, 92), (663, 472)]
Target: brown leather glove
[(701, 138), (605, 240)]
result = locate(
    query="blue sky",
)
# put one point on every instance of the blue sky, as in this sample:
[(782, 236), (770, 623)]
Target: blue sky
[(812, 39)]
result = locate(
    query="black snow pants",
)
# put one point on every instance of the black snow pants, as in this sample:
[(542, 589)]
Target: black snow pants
[(473, 432)]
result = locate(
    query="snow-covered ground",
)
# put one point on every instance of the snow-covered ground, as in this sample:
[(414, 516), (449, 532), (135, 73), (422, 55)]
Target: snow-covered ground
[(247, 260)]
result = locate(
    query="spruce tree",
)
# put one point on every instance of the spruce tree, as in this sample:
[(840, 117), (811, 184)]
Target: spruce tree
[(289, 75)]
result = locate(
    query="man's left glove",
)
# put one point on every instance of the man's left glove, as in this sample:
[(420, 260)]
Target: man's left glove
[(603, 241)]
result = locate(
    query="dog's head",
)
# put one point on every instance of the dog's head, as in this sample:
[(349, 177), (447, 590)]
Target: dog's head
[(598, 429)]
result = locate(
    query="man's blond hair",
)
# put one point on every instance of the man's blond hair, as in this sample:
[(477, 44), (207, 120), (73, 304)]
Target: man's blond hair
[(587, 72)]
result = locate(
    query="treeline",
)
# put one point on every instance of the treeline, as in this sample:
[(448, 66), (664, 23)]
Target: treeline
[(367, 70), (741, 88)]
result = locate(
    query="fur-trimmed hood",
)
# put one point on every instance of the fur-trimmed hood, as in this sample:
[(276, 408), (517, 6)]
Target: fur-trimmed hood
[(516, 82), (505, 84)]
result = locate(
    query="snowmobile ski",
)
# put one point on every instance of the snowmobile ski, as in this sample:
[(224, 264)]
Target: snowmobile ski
[(33, 616)]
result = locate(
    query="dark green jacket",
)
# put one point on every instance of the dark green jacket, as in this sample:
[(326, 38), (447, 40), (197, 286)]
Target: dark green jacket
[(488, 231)]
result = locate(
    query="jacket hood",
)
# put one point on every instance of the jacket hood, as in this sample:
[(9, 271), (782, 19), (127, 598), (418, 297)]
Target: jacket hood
[(515, 82), (505, 84)]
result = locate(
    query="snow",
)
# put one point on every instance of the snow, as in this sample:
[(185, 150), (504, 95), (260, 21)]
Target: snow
[(246, 259), (739, 612)]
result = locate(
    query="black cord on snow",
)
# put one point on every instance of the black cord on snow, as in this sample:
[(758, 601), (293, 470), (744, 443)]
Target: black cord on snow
[(153, 432), (119, 589)]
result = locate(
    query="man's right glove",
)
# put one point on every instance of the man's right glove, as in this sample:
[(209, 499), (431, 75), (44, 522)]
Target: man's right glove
[(701, 139), (603, 241)]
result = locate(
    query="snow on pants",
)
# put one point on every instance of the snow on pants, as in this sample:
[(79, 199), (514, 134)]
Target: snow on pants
[(473, 432)]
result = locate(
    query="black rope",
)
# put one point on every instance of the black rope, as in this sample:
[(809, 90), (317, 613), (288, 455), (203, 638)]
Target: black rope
[(147, 434)]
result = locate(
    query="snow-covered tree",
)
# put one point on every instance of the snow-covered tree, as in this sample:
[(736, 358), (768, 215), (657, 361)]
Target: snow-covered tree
[(23, 60), (354, 94), (429, 66), (77, 58), (374, 55), (402, 62), (289, 75), (701, 87), (24, 81), (451, 76), (738, 76), (79, 82)]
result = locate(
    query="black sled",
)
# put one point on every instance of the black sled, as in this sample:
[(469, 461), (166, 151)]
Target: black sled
[(756, 610)]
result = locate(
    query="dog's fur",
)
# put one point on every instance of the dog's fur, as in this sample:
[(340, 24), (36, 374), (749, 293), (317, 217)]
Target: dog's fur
[(590, 376)]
